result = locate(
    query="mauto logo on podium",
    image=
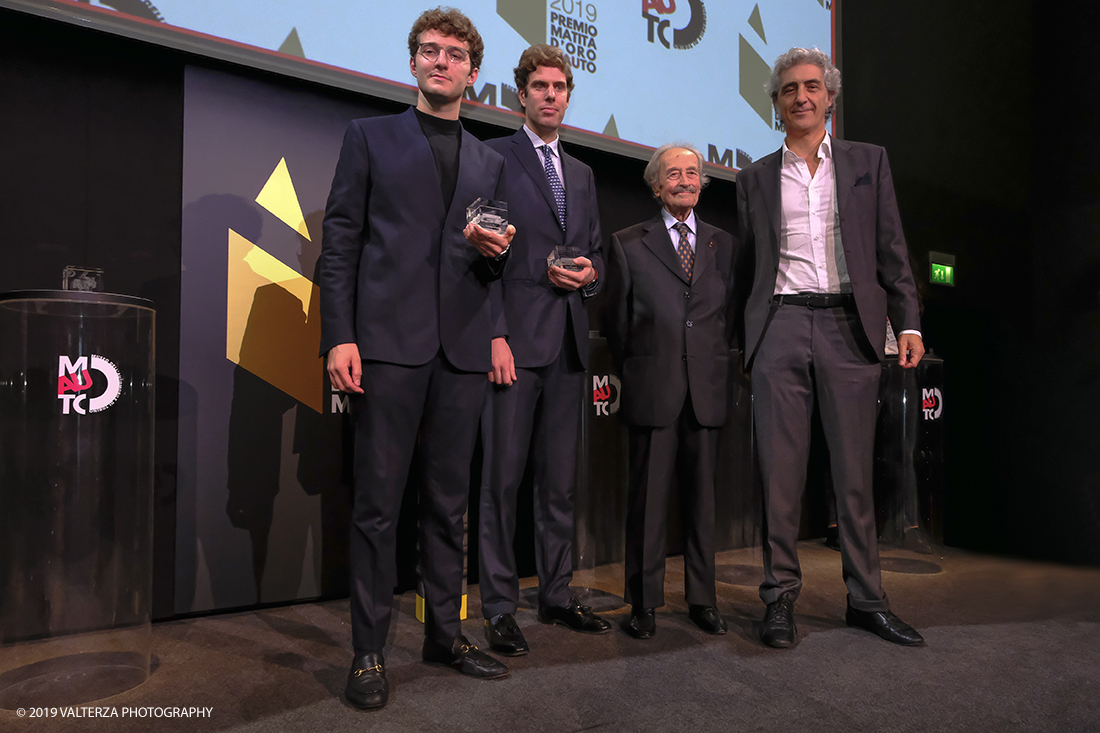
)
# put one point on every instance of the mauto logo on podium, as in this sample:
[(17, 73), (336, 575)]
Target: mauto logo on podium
[(606, 391), (74, 384), (932, 403)]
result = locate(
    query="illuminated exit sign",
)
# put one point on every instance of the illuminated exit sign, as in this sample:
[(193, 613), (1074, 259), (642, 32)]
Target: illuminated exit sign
[(941, 268)]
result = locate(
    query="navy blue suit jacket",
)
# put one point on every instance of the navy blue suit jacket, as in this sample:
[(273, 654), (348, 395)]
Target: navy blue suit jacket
[(870, 231), (393, 281), (534, 311)]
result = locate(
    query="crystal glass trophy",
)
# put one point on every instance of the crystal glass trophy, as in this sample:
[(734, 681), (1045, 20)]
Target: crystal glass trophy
[(86, 279), (562, 257), (489, 215)]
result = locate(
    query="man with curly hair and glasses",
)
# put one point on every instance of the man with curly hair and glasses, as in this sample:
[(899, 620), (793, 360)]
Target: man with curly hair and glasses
[(406, 325)]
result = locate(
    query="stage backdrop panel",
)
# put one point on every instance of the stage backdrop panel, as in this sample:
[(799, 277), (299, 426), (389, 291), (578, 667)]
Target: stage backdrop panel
[(264, 492)]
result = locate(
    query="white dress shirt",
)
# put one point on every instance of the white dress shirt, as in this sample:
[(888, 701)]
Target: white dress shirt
[(671, 221), (811, 256)]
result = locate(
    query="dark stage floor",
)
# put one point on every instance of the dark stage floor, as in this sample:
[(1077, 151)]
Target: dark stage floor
[(1012, 646)]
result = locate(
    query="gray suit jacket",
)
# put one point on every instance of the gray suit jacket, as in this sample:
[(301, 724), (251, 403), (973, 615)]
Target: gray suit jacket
[(666, 333), (870, 229)]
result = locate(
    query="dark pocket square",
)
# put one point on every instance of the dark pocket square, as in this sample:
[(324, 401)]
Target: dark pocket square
[(864, 180)]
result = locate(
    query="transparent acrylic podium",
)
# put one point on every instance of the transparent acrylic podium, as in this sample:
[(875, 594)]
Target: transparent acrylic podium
[(76, 488), (599, 502)]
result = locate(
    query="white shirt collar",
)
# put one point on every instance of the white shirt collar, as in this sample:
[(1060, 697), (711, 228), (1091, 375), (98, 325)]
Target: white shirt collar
[(538, 142), (824, 150), (671, 221)]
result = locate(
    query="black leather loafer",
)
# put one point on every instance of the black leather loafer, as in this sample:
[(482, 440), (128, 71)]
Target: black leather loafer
[(505, 637), (708, 619), (642, 623), (465, 657), (886, 625), (367, 688), (576, 616), (779, 629)]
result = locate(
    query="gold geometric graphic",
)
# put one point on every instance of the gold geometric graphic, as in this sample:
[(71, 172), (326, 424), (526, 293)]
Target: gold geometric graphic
[(273, 322), (278, 197)]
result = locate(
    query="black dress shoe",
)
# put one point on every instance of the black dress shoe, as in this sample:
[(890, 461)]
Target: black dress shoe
[(642, 623), (465, 657), (779, 628), (367, 687), (575, 616), (707, 618), (505, 637), (886, 625)]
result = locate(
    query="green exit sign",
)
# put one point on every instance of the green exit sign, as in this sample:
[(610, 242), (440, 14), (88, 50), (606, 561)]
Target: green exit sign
[(941, 268), (943, 274)]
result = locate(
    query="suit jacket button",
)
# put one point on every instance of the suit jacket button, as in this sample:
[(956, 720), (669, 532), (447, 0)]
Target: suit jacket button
[(684, 357), (690, 324), (687, 293)]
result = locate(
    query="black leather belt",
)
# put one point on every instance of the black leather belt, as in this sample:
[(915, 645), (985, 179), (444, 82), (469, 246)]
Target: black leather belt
[(814, 300)]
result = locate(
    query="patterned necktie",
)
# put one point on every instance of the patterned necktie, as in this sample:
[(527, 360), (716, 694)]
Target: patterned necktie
[(687, 255), (555, 183)]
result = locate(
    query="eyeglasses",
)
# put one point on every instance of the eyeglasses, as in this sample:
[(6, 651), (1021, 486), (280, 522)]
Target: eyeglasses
[(456, 55), (675, 174)]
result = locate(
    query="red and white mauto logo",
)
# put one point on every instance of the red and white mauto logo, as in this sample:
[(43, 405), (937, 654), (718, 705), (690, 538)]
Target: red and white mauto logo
[(74, 380)]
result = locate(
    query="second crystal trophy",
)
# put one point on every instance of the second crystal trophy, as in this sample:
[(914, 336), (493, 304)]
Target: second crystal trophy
[(489, 215), (563, 256)]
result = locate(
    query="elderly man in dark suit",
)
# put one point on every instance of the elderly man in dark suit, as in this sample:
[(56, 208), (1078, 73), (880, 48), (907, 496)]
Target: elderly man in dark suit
[(540, 357), (668, 291), (406, 325), (828, 263)]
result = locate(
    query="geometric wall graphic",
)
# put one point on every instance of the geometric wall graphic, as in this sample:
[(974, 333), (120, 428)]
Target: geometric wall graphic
[(526, 17), (292, 46), (612, 130), (278, 197), (754, 76), (273, 322), (757, 24)]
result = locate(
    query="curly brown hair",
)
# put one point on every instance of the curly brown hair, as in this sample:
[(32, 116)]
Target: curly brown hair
[(449, 22), (538, 55)]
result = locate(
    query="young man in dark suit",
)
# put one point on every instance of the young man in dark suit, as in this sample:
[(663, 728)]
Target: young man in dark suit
[(828, 263), (406, 326), (668, 291), (540, 358)]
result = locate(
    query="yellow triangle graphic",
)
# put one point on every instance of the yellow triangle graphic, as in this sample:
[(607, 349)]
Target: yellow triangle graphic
[(273, 322), (279, 198)]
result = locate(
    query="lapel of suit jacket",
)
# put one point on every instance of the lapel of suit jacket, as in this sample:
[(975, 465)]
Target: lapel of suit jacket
[(843, 175), (769, 191), (657, 239), (424, 161), (569, 171), (470, 179), (531, 161), (704, 253)]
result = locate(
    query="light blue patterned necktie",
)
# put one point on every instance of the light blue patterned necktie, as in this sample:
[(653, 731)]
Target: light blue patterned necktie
[(555, 183)]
